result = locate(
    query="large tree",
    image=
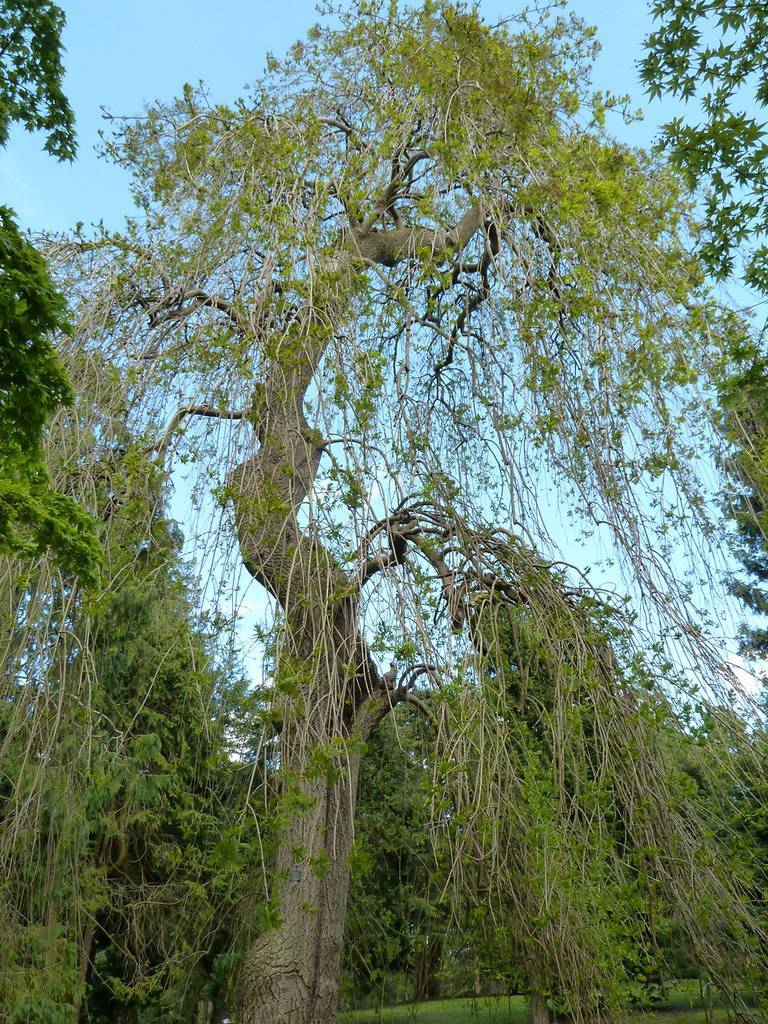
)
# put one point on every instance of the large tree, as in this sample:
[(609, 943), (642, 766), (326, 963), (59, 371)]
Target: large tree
[(121, 844), (713, 55), (407, 294)]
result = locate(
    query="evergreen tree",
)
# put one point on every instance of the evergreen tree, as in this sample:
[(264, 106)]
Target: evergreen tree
[(125, 844)]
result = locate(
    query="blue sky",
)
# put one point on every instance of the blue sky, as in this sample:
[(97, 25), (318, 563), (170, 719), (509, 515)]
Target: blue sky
[(122, 54)]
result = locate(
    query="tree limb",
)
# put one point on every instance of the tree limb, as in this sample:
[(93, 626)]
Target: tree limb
[(389, 248), (169, 307), (400, 174), (417, 702), (193, 410)]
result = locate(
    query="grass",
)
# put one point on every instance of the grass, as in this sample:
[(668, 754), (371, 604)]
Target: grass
[(681, 1007), (501, 1010)]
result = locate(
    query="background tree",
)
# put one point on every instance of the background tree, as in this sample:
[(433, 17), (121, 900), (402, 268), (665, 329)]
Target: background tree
[(396, 922), (123, 844), (412, 259), (715, 54), (33, 516), (31, 75)]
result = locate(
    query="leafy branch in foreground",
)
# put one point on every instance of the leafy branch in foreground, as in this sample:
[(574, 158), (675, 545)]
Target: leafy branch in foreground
[(715, 54), (31, 74), (33, 385), (33, 516)]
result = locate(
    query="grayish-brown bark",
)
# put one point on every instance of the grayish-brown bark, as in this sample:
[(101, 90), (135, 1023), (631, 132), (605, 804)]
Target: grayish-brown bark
[(290, 974), (538, 1011)]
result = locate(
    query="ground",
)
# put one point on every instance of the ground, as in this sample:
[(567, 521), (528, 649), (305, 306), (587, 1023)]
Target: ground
[(682, 1007)]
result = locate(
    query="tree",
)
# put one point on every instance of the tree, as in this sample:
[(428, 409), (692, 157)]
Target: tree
[(716, 54), (33, 516), (395, 923), (124, 841), (412, 270), (168, 834)]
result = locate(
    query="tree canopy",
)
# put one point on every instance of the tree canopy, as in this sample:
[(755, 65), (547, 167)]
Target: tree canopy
[(714, 56), (31, 74), (33, 385)]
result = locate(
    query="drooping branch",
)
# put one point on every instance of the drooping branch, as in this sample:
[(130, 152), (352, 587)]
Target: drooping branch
[(399, 529), (479, 294), (421, 705), (169, 306), (198, 298), (387, 692), (394, 289)]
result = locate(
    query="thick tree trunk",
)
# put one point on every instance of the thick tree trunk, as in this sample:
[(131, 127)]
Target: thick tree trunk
[(330, 695), (538, 1011), (291, 973)]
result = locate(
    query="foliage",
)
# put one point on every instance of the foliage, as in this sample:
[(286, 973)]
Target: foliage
[(743, 422), (170, 830), (124, 847), (716, 53), (410, 297), (31, 74), (592, 894), (394, 908), (33, 516)]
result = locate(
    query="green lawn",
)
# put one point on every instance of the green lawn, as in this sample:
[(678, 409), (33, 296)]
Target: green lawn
[(495, 1011), (682, 1007), (503, 1010)]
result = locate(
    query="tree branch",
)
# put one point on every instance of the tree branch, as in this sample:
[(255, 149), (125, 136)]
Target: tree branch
[(400, 175), (169, 307), (417, 702), (388, 248), (193, 410), (400, 528)]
